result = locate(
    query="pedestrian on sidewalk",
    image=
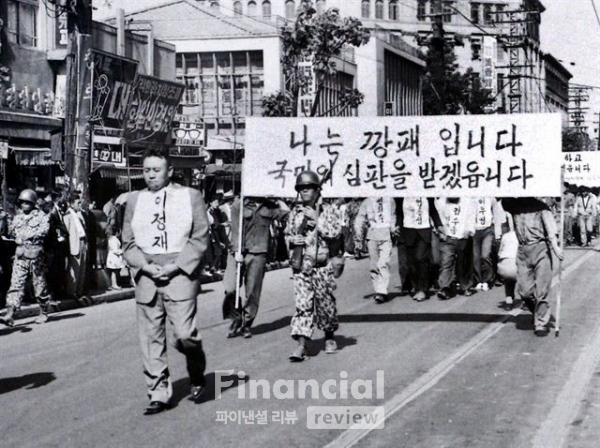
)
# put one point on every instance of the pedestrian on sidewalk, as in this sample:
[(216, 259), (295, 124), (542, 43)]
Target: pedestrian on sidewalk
[(310, 228), (377, 216), (165, 233), (29, 229), (536, 232), (258, 215)]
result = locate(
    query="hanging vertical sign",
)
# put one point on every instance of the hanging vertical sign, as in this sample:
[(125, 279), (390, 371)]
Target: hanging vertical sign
[(84, 91), (306, 96), (489, 61), (3, 149)]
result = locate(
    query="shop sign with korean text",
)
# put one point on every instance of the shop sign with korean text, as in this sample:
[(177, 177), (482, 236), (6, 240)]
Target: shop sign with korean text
[(435, 156), (151, 109)]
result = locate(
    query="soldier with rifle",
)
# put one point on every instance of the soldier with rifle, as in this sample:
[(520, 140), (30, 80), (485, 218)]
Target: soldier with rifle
[(310, 228)]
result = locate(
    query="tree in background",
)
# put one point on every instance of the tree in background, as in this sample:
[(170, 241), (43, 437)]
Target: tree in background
[(318, 38), (446, 91), (575, 140)]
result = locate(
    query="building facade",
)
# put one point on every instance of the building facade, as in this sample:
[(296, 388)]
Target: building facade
[(33, 79), (229, 58)]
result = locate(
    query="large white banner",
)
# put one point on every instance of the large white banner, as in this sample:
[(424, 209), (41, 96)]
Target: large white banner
[(458, 155), (582, 168)]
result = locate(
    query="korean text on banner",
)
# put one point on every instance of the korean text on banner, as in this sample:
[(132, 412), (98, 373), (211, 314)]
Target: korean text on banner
[(582, 168), (460, 155)]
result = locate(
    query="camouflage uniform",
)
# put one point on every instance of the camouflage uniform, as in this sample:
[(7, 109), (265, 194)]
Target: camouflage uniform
[(29, 231), (313, 282)]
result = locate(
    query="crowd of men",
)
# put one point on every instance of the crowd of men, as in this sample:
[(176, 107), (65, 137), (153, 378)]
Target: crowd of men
[(166, 236)]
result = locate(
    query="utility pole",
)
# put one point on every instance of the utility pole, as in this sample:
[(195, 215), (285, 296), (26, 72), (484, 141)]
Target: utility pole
[(578, 95), (438, 45), (597, 131), (77, 155)]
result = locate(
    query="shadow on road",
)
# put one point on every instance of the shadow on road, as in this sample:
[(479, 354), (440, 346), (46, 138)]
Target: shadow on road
[(32, 381), (422, 317), (318, 345), (181, 387), (272, 326), (20, 327), (54, 317)]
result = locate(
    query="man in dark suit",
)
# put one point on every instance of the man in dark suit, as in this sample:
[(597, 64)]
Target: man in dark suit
[(57, 248), (165, 233)]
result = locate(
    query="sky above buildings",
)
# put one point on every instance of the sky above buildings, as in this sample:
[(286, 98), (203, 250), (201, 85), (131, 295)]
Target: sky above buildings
[(570, 32)]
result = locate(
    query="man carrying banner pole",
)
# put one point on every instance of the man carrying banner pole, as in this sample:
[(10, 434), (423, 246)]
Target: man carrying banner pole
[(250, 235)]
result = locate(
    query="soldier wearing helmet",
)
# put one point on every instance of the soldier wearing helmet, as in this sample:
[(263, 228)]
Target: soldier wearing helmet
[(310, 228), (29, 229)]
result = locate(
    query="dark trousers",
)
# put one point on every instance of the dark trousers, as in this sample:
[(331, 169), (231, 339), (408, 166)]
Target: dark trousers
[(455, 262), (252, 274), (483, 269), (419, 256)]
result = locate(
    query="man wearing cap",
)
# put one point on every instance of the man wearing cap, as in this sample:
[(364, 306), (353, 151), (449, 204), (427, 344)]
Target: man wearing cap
[(310, 228), (165, 233), (29, 229)]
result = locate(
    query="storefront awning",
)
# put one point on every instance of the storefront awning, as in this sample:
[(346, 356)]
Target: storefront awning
[(32, 156), (226, 169), (118, 172)]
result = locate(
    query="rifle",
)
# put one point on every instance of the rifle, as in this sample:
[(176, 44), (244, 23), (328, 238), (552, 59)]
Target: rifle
[(298, 251)]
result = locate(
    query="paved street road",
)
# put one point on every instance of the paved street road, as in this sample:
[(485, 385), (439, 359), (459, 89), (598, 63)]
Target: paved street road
[(461, 373)]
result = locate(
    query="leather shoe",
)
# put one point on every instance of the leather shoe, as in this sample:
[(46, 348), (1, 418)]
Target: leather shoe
[(541, 332), (10, 322), (246, 333), (156, 407), (196, 392), (299, 354), (380, 298)]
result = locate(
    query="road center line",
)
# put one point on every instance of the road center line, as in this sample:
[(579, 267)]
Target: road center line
[(352, 436)]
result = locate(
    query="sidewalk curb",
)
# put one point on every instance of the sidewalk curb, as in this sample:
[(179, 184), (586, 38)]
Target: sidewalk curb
[(116, 296)]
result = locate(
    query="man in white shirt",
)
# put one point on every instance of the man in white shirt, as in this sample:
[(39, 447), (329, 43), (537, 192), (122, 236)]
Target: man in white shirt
[(483, 268), (587, 210), (77, 262), (458, 226), (378, 216)]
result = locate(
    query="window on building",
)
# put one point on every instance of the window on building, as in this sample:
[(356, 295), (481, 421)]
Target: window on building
[(476, 50), (290, 9), (475, 11), (379, 9), (421, 10), (222, 84), (237, 8), (321, 6), (447, 10), (215, 6), (393, 10), (499, 9), (365, 9), (266, 9), (252, 9), (22, 25), (487, 15)]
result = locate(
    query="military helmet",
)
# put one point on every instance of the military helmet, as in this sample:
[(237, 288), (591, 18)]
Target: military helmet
[(307, 179), (28, 195)]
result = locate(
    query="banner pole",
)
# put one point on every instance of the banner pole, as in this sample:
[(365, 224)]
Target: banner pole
[(562, 245), (238, 264)]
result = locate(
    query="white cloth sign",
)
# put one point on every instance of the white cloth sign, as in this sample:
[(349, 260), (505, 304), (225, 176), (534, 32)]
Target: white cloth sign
[(416, 213), (441, 156), (582, 168), (162, 220)]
